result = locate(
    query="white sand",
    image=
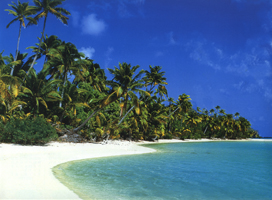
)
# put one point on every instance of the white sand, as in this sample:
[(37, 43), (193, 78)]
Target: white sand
[(26, 171)]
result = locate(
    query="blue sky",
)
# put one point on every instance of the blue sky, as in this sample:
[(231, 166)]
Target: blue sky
[(216, 51)]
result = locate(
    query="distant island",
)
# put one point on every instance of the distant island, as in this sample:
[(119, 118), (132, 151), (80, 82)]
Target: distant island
[(71, 99)]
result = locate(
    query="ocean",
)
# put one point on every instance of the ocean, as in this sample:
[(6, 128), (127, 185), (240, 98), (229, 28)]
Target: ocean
[(200, 170)]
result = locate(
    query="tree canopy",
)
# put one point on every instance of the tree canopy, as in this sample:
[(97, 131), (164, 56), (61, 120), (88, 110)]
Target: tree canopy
[(132, 105)]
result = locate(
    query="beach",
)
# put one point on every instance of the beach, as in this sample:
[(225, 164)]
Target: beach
[(26, 171)]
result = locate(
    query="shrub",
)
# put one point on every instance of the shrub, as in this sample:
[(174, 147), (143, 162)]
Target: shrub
[(168, 136), (28, 131)]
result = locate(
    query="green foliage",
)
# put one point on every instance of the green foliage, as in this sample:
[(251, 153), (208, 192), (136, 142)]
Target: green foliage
[(128, 106), (168, 136), (27, 132)]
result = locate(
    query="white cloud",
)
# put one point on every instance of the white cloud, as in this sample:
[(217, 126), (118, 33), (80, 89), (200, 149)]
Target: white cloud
[(93, 26), (89, 51), (251, 64)]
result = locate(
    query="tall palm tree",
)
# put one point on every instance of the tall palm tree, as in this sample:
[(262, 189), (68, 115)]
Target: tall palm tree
[(21, 12), (46, 7), (155, 78), (126, 82), (48, 43), (63, 60)]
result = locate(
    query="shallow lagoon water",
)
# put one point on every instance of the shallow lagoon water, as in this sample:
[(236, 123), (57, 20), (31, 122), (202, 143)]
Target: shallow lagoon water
[(206, 170)]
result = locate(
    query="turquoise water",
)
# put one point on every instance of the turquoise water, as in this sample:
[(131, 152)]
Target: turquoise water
[(206, 170)]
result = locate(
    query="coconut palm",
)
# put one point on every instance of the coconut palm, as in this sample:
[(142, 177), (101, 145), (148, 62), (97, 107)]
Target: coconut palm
[(183, 104), (20, 67), (157, 118), (93, 74), (126, 83), (45, 7), (73, 99), (155, 78), (63, 60), (9, 90), (38, 91), (21, 12), (47, 43)]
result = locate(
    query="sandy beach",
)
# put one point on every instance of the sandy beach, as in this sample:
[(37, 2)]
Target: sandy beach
[(26, 171)]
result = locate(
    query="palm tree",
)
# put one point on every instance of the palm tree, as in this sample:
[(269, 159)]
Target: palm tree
[(63, 60), (39, 91), (72, 99), (157, 118), (212, 111), (21, 12), (20, 67), (48, 6), (237, 115), (48, 43), (93, 74), (126, 83), (183, 103), (155, 78)]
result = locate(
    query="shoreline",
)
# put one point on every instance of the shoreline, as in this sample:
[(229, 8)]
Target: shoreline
[(26, 171)]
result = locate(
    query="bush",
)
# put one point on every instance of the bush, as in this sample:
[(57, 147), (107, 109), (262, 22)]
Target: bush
[(28, 131), (168, 136)]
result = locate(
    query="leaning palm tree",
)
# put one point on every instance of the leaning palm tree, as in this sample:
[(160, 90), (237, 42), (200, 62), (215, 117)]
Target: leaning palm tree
[(125, 83), (46, 7), (21, 12), (93, 74)]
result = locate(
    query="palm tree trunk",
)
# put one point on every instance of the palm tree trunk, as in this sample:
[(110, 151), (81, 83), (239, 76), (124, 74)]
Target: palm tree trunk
[(125, 115), (125, 105), (17, 49), (62, 93), (85, 122), (205, 130), (173, 112), (36, 56)]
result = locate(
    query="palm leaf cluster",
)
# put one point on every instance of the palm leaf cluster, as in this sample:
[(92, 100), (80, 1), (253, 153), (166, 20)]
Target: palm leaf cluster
[(72, 92)]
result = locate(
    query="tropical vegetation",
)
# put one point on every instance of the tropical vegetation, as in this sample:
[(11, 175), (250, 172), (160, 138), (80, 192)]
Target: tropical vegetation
[(39, 106)]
